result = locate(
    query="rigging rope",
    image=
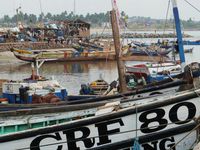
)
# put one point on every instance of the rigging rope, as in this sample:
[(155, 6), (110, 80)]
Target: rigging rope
[(136, 145), (166, 17), (148, 54), (109, 45), (192, 6), (41, 9)]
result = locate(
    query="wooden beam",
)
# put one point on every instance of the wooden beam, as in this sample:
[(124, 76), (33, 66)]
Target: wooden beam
[(120, 62)]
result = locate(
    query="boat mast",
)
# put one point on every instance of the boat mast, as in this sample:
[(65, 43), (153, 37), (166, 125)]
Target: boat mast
[(179, 34), (120, 63)]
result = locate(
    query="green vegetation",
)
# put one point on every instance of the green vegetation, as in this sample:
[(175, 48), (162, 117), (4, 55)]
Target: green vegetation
[(98, 20), (29, 19)]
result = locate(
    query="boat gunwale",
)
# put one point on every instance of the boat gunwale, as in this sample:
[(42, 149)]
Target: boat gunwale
[(101, 118), (67, 106)]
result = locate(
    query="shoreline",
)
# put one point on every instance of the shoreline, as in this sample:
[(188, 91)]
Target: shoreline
[(145, 29), (100, 30), (8, 57)]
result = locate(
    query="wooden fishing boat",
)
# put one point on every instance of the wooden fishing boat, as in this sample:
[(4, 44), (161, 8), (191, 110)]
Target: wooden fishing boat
[(33, 91), (148, 52), (157, 123), (31, 124), (189, 50), (13, 94), (23, 118), (62, 55), (152, 72), (98, 87), (82, 46), (154, 88), (173, 105), (16, 118), (197, 42), (112, 126), (68, 55)]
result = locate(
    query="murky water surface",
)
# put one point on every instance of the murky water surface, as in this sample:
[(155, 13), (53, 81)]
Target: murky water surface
[(72, 74)]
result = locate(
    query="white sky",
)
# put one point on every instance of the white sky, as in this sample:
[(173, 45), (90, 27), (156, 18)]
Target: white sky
[(148, 8)]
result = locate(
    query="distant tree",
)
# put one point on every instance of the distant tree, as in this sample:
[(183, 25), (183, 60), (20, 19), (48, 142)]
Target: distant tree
[(97, 20), (63, 15), (81, 17), (70, 16), (26, 17), (189, 20), (33, 18), (20, 16), (48, 16), (6, 18), (41, 17)]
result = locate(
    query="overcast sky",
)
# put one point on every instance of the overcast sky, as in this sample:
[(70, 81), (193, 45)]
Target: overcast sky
[(148, 8)]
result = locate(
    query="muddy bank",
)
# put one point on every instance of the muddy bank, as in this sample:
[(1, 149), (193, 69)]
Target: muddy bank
[(8, 57)]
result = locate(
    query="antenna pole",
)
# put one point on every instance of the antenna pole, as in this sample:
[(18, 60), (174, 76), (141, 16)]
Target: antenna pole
[(74, 7), (17, 11), (41, 9)]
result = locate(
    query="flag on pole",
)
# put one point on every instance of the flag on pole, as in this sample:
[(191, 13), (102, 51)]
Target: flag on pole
[(121, 20)]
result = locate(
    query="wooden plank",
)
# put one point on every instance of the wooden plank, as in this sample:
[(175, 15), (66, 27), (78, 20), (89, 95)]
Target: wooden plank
[(51, 109), (145, 58)]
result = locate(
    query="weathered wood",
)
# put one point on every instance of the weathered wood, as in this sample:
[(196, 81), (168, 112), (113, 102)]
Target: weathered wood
[(120, 63), (145, 58), (52, 109)]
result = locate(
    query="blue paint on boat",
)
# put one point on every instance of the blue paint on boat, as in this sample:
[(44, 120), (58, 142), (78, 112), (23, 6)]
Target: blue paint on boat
[(191, 42), (179, 35), (23, 92)]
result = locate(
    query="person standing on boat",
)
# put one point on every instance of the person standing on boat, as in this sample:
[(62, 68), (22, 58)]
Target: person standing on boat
[(176, 46), (86, 90), (159, 42)]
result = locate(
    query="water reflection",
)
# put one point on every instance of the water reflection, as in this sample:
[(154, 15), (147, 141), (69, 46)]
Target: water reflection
[(69, 74), (72, 74)]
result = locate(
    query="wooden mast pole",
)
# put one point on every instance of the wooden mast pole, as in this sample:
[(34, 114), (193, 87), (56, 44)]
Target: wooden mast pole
[(120, 63)]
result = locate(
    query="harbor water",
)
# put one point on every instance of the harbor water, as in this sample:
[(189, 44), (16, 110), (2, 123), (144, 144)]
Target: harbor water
[(72, 74)]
